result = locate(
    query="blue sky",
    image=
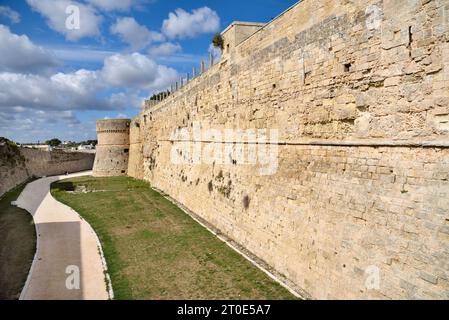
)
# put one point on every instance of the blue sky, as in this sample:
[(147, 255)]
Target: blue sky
[(57, 77)]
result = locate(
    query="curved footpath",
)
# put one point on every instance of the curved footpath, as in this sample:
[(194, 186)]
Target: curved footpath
[(68, 264)]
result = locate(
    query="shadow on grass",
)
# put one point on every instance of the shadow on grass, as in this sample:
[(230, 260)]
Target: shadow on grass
[(17, 245), (65, 186)]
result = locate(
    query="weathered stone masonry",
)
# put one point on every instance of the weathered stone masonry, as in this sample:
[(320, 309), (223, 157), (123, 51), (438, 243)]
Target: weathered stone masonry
[(113, 148), (19, 164), (359, 91)]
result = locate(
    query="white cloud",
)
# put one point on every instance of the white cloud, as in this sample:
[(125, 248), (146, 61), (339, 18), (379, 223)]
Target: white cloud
[(55, 13), (38, 106), (60, 92), (136, 70), (165, 49), (81, 83), (34, 117), (182, 24), (86, 89), (34, 125), (19, 54), (137, 36), (12, 15)]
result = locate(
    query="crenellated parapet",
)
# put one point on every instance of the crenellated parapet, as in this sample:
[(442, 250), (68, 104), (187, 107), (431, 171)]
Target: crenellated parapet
[(233, 35)]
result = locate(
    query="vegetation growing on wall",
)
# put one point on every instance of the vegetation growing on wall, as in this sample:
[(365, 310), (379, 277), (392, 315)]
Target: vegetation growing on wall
[(10, 153), (5, 141), (217, 41), (160, 96)]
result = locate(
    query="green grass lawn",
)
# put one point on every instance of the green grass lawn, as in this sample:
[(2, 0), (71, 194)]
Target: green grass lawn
[(17, 245), (156, 251)]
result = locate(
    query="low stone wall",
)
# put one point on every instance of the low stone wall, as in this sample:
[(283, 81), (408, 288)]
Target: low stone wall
[(19, 164)]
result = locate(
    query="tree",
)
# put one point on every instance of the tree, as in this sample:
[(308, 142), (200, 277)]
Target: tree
[(53, 142), (92, 142), (88, 142), (218, 41)]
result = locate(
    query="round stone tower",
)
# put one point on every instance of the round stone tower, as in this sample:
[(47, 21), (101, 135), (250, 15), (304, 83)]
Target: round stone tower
[(113, 148)]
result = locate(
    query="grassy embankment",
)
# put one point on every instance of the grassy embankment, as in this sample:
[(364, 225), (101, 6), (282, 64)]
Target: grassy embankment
[(17, 245), (156, 251)]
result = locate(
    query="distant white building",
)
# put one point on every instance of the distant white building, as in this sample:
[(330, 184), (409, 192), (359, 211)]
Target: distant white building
[(43, 147), (86, 147)]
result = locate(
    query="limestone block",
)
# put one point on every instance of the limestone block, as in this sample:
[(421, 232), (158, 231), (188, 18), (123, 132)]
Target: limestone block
[(362, 124), (393, 81), (400, 10), (344, 112), (394, 35)]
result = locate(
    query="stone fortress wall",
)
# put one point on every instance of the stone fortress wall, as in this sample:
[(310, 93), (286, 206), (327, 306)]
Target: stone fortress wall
[(358, 91), (17, 165), (113, 148), (135, 166)]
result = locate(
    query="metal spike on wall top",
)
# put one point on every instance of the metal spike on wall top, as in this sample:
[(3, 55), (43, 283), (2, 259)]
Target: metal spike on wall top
[(211, 60)]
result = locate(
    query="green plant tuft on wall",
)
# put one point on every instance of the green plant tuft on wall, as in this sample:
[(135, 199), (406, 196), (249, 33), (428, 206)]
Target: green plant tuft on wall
[(218, 41)]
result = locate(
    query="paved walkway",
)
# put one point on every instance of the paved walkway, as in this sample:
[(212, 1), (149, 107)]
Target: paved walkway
[(66, 244)]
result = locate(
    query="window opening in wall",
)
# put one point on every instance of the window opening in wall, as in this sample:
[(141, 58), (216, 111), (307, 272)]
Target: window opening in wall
[(410, 41), (307, 75)]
